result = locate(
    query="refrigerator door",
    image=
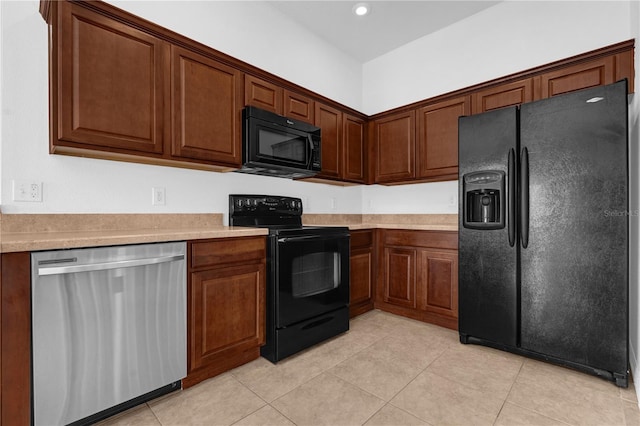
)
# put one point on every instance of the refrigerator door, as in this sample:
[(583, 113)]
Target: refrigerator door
[(487, 275), (574, 278)]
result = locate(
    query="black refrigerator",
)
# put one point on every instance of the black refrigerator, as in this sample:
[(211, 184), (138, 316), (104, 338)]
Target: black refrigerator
[(543, 230)]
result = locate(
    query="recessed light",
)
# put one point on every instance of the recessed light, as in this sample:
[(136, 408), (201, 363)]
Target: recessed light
[(361, 9)]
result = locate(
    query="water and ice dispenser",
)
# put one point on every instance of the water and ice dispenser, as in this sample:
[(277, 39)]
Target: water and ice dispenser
[(484, 200)]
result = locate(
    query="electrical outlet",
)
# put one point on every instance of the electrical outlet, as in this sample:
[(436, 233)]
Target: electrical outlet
[(24, 190), (158, 196)]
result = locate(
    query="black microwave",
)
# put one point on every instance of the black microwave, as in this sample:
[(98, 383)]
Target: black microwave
[(274, 145)]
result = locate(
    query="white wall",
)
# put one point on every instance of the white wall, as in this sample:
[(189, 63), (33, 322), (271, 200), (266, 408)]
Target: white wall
[(261, 35), (80, 185), (509, 37)]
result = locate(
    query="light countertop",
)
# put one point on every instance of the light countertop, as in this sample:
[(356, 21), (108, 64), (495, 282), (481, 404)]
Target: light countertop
[(33, 232)]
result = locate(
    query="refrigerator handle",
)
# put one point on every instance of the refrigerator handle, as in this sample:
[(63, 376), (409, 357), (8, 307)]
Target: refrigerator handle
[(524, 197), (511, 201)]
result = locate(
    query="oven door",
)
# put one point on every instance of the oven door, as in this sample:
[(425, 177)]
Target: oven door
[(312, 275)]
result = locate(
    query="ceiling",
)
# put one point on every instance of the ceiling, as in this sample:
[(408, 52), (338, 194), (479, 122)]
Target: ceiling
[(390, 24)]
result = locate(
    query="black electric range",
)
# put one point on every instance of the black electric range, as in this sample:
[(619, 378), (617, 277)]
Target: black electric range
[(307, 273)]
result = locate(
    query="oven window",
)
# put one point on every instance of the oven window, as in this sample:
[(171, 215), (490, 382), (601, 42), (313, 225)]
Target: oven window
[(284, 146), (315, 273)]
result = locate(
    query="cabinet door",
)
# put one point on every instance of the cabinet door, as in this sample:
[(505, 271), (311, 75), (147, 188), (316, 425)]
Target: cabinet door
[(353, 137), (395, 147), (581, 76), (110, 83), (400, 276), (505, 95), (361, 264), (438, 282), (330, 122), (262, 94), (227, 311), (363, 273), (298, 106), (438, 137), (206, 108)]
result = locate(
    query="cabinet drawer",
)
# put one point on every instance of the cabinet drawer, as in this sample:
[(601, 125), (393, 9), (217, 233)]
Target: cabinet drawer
[(433, 239), (226, 251)]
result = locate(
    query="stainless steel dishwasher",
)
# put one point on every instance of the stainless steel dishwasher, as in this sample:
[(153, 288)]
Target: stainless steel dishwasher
[(108, 329)]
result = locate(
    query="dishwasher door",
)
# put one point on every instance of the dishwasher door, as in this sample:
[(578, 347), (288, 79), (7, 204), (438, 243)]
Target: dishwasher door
[(108, 325)]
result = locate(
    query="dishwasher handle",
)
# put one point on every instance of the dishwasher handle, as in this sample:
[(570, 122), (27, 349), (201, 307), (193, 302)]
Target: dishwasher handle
[(71, 269)]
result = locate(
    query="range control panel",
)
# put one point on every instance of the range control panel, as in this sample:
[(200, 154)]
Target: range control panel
[(263, 205)]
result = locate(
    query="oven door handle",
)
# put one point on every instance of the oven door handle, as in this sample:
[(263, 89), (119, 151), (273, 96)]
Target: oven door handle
[(311, 237)]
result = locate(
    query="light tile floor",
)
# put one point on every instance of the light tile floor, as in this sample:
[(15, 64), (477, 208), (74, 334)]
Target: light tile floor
[(389, 370)]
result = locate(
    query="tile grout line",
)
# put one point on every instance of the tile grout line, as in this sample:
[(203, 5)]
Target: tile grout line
[(508, 393), (526, 408), (411, 381)]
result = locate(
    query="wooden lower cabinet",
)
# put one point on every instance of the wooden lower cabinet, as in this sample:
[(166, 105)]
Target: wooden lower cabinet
[(418, 275), (362, 270), (226, 305), (15, 339)]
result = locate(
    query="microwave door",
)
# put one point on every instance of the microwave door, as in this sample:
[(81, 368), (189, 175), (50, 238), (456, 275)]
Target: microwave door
[(284, 146)]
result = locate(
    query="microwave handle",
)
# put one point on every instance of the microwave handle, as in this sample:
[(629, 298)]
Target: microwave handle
[(310, 159)]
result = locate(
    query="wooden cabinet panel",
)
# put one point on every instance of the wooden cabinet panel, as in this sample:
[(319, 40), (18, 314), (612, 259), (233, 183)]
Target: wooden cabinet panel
[(262, 94), (581, 76), (509, 94), (15, 339), (439, 273), (400, 276), (438, 137), (361, 277), (395, 147), (433, 239), (329, 120), (353, 140), (227, 311), (624, 68), (361, 272), (206, 108), (226, 250), (110, 83), (299, 107)]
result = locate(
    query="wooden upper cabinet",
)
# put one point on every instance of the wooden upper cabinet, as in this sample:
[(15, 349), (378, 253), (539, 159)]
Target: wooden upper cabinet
[(509, 94), (262, 94), (329, 120), (354, 148), (299, 107), (438, 137), (110, 86), (395, 144), (206, 108), (582, 76)]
